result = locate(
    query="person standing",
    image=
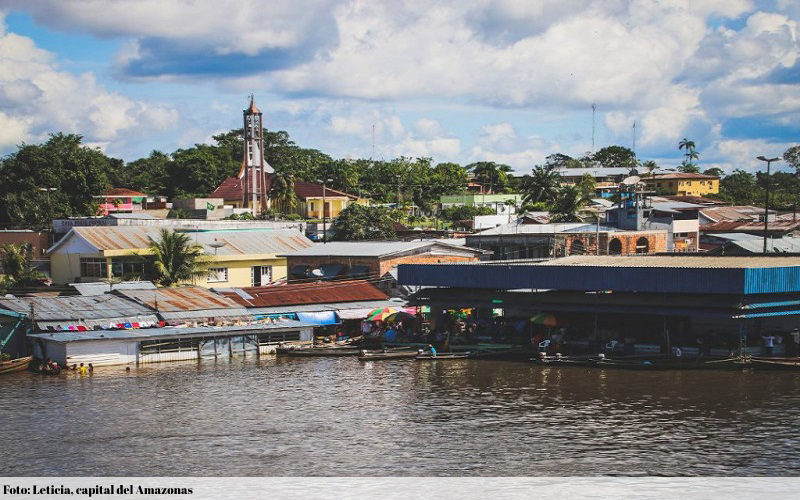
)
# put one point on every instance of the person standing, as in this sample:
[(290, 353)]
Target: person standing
[(83, 370), (432, 349), (769, 344)]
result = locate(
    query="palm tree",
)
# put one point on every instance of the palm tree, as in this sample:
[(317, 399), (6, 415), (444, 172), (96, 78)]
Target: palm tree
[(282, 192), (690, 154), (176, 259), (568, 202), (541, 185), (17, 266), (649, 166)]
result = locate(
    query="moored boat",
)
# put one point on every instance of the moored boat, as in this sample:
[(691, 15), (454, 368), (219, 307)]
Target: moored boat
[(775, 364), (323, 351), (669, 364), (442, 356), (15, 365), (387, 354)]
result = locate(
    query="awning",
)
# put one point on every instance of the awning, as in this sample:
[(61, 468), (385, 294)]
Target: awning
[(318, 318), (353, 313)]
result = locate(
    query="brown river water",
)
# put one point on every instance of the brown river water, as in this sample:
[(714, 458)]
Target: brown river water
[(342, 417)]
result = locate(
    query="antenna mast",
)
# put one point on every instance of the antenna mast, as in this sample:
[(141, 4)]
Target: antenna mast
[(634, 137), (594, 107)]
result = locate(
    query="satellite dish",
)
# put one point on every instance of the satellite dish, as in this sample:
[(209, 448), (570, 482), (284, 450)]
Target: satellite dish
[(630, 181)]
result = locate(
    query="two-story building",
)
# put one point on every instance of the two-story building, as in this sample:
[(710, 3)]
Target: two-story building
[(236, 258), (683, 184), (120, 200)]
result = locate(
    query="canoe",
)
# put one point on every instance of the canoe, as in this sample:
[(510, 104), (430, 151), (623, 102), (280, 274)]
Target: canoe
[(775, 364), (442, 356), (323, 351), (565, 361), (386, 355), (15, 365), (669, 364)]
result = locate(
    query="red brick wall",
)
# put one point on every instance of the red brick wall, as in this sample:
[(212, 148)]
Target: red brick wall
[(656, 242)]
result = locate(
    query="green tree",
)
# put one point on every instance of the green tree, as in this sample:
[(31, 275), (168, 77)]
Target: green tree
[(52, 180), (649, 167), (17, 263), (456, 213), (360, 222), (715, 171), (493, 176), (615, 157), (541, 185), (792, 157), (587, 186), (739, 187), (690, 154), (176, 259), (568, 203), (282, 192), (560, 161)]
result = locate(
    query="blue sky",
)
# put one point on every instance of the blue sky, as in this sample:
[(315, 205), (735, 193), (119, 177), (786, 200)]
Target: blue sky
[(507, 80)]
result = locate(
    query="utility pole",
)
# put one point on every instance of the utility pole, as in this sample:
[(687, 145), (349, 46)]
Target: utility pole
[(766, 197)]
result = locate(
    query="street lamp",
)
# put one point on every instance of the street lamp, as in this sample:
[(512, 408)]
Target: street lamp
[(766, 196)]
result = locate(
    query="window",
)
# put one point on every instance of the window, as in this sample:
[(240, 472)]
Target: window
[(217, 274), (260, 275), (127, 268), (93, 268)]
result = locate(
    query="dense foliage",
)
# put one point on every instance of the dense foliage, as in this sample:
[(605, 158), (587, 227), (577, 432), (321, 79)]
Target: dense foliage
[(359, 222)]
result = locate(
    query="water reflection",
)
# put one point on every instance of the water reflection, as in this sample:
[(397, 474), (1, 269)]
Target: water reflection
[(339, 416)]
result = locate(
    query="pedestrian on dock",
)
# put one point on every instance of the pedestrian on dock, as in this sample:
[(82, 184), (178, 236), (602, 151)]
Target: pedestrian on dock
[(432, 349)]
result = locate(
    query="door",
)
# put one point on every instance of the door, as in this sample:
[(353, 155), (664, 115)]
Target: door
[(260, 275)]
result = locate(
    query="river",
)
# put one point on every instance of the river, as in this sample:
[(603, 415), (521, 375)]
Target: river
[(342, 417)]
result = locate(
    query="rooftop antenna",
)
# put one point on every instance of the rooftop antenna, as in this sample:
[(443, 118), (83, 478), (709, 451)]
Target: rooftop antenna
[(594, 107)]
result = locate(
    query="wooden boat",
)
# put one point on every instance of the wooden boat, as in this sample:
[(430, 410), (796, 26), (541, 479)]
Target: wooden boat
[(669, 364), (565, 361), (774, 364), (387, 354), (15, 365), (442, 356), (323, 351)]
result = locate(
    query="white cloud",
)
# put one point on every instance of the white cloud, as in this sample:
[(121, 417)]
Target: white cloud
[(38, 99)]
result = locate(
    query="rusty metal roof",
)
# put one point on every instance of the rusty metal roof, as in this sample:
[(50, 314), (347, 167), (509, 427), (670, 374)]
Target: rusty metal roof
[(305, 293), (185, 298), (231, 241), (76, 307)]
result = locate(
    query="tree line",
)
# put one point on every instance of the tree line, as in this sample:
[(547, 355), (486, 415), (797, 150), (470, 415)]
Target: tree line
[(58, 178)]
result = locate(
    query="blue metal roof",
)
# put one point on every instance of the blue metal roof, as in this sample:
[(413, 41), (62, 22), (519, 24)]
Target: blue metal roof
[(738, 278)]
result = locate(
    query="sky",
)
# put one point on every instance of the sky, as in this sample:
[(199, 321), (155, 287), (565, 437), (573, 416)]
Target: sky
[(510, 81)]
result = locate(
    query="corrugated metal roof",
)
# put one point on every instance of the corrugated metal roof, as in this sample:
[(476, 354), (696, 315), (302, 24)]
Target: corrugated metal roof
[(774, 245), (331, 306), (89, 289), (76, 307), (660, 274), (672, 261), (374, 248), (231, 242), (306, 293), (187, 298), (166, 333), (750, 225)]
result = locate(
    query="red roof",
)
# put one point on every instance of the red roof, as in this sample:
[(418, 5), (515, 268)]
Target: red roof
[(122, 192), (305, 190), (307, 293), (231, 189)]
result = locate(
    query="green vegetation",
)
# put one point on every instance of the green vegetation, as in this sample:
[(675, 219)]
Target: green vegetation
[(176, 259), (18, 268), (359, 222)]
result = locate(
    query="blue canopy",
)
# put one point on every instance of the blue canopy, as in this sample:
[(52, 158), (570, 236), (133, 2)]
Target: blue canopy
[(318, 318)]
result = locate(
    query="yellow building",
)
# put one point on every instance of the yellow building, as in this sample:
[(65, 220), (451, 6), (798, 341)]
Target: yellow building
[(682, 184), (310, 199), (237, 257)]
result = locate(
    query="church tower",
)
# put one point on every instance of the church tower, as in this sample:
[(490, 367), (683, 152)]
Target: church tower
[(254, 165)]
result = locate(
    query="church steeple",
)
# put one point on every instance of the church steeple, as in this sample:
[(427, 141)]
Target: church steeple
[(254, 164)]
